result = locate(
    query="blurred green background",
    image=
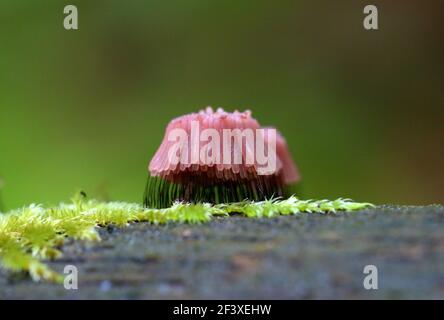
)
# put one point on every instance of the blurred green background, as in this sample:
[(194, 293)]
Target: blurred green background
[(361, 110)]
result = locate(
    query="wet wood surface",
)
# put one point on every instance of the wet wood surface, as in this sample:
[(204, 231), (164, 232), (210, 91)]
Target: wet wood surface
[(294, 257)]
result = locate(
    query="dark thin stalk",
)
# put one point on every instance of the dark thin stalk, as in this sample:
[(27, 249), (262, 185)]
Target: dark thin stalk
[(162, 193)]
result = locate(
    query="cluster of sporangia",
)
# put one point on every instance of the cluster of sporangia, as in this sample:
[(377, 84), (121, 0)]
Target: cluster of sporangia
[(216, 182)]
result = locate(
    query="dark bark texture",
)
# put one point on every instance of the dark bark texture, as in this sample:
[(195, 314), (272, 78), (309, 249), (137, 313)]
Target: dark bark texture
[(292, 257)]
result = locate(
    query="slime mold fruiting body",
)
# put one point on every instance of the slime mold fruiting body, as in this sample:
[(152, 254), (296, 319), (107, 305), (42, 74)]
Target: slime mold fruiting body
[(217, 156)]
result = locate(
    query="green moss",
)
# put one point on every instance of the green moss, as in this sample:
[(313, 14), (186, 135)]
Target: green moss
[(33, 234)]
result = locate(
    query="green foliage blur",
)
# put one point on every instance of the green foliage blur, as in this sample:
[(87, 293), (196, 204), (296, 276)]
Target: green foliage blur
[(361, 110)]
